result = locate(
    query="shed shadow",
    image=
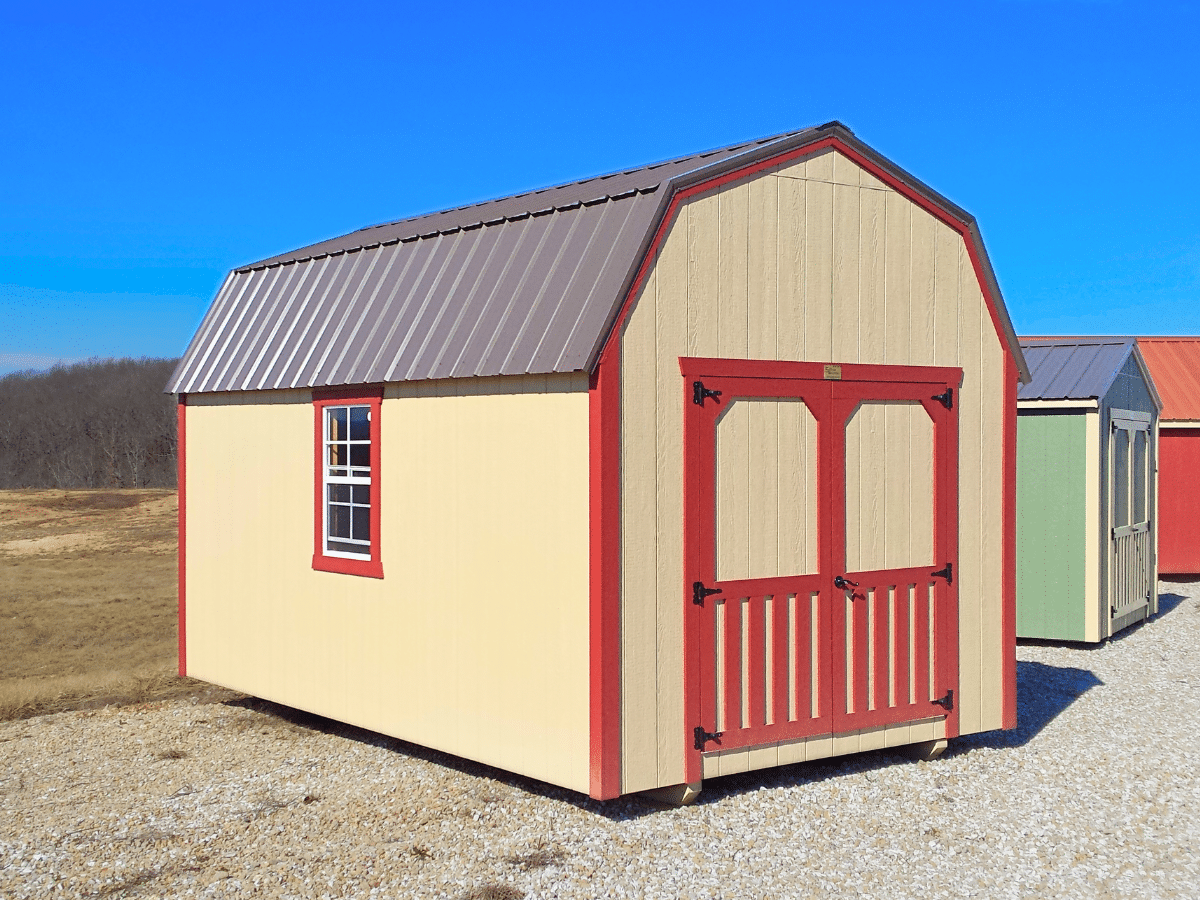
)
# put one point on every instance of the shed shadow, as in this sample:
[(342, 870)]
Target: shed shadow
[(489, 779), (1043, 693)]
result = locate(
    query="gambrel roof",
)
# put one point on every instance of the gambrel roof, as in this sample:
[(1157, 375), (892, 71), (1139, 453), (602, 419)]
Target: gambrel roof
[(528, 284), (1078, 368)]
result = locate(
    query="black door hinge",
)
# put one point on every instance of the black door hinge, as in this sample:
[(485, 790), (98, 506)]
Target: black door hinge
[(947, 702), (946, 399), (699, 592), (947, 573), (703, 737), (700, 393)]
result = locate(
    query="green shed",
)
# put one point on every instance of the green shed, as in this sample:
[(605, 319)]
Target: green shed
[(1087, 469)]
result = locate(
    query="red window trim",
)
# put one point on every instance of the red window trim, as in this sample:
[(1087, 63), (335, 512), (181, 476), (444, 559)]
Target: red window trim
[(360, 395)]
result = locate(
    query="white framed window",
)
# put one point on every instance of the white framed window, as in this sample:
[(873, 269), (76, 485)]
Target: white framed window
[(348, 481), (346, 514)]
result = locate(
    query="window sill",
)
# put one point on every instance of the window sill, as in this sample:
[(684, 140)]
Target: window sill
[(366, 568)]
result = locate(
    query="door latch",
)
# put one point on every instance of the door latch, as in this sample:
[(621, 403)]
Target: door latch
[(700, 393), (842, 583), (947, 573), (699, 592)]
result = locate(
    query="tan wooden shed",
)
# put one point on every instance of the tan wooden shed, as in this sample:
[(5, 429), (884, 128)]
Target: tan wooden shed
[(687, 470)]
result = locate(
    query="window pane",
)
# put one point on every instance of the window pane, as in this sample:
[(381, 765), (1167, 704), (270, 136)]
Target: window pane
[(362, 523), (342, 547), (1120, 480), (360, 424), (362, 494), (1139, 476), (360, 456), (339, 493), (338, 473), (339, 521), (337, 423), (337, 454)]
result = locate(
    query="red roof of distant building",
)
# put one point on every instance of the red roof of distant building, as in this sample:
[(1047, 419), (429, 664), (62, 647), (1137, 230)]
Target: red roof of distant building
[(1174, 363)]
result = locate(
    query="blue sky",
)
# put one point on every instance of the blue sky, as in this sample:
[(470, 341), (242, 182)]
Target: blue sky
[(148, 149)]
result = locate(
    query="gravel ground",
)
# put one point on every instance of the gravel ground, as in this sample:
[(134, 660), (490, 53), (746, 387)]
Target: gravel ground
[(1095, 795)]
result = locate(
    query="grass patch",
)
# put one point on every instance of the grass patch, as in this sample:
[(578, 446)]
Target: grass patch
[(88, 601)]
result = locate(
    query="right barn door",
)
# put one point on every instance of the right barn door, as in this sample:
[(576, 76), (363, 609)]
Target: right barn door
[(895, 530), (821, 531)]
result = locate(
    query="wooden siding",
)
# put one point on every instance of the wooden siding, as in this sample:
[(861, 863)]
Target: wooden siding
[(766, 450), (1052, 525), (816, 260), (476, 639), (889, 487)]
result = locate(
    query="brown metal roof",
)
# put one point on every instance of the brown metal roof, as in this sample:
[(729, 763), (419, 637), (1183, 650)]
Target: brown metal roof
[(1074, 368), (523, 284), (1175, 364)]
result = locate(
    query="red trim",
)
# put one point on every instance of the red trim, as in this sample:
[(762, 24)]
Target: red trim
[(815, 371), (366, 395), (1008, 616), (181, 486), (604, 495)]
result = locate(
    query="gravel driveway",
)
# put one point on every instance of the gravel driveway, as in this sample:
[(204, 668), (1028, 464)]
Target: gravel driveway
[(1095, 795)]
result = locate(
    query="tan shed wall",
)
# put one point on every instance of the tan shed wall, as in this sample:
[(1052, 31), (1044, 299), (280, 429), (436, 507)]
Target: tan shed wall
[(816, 261), (476, 640)]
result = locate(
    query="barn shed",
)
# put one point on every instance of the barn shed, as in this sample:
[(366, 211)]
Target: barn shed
[(1175, 364), (690, 469), (1086, 461)]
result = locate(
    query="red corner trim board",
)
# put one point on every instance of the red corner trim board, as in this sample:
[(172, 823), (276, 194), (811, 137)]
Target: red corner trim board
[(605, 440), (604, 664), (365, 395), (181, 478)]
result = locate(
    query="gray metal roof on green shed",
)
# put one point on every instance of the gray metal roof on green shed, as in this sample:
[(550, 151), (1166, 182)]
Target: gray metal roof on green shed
[(1078, 368), (527, 284)]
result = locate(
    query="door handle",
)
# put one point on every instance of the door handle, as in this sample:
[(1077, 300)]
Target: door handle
[(842, 582)]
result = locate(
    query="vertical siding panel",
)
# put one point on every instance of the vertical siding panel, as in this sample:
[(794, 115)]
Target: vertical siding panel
[(671, 323), (921, 306), (844, 296), (871, 286), (639, 639), (897, 277), (818, 272), (791, 256), (845, 171), (820, 167), (990, 628), (704, 244), (976, 328), (731, 296), (764, 489), (949, 250), (762, 265)]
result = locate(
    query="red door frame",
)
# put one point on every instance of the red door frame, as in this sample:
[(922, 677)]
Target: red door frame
[(770, 378)]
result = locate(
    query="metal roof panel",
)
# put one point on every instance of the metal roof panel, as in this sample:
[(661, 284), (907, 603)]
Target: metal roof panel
[(1074, 369)]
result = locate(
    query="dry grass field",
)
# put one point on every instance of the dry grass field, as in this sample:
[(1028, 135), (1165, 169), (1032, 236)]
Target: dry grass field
[(87, 599)]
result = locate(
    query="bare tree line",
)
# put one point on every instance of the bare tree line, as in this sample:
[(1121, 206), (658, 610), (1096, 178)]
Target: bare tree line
[(101, 423)]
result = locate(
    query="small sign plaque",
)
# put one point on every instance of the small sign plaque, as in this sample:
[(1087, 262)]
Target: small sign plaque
[(833, 373)]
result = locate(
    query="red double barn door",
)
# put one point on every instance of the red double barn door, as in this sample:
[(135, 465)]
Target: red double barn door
[(821, 529)]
